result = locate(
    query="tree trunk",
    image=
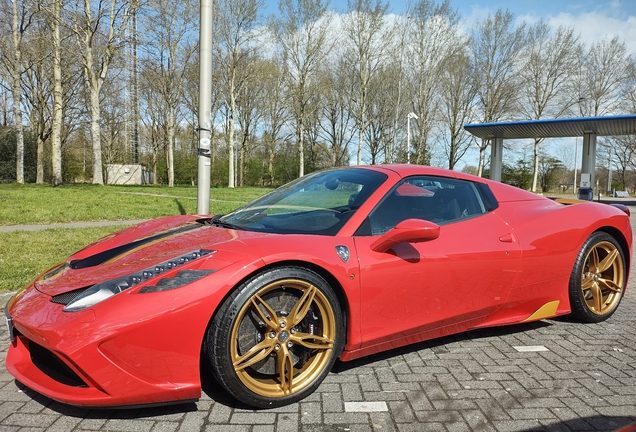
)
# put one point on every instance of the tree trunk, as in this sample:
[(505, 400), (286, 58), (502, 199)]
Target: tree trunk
[(535, 165), (98, 177), (270, 164), (230, 144), (17, 95), (155, 180), (301, 150), (359, 154), (241, 166), (56, 133), (39, 175), (482, 157), (171, 135)]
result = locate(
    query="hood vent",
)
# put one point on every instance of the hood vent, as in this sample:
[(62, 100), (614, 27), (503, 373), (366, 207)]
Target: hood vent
[(184, 277), (66, 298)]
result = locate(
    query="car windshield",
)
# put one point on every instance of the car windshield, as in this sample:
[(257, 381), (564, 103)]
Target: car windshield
[(318, 203)]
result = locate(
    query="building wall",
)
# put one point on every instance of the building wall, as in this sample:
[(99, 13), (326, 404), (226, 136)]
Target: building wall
[(127, 174)]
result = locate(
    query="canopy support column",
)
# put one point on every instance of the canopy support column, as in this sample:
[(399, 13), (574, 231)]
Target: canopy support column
[(588, 166), (496, 158)]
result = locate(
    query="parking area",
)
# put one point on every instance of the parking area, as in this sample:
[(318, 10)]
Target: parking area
[(554, 375)]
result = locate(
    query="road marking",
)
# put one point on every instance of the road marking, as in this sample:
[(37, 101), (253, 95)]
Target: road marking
[(531, 348), (366, 407)]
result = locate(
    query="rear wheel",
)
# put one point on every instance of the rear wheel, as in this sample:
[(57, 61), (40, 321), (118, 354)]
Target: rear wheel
[(276, 337), (598, 278)]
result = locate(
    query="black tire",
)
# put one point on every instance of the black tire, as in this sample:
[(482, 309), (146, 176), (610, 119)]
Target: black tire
[(598, 279), (246, 348)]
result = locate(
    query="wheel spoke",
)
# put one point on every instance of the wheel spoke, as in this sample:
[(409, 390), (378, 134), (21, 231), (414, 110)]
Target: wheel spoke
[(271, 321), (302, 306), (255, 354), (608, 261), (587, 283), (285, 370), (593, 267), (597, 296), (305, 339), (610, 285)]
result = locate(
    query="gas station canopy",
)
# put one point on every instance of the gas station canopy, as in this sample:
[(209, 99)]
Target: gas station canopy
[(556, 128), (587, 127)]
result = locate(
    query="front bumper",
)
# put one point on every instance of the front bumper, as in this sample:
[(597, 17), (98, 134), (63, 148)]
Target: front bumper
[(111, 355)]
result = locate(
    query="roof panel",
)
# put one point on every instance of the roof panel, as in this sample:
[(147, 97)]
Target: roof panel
[(556, 128)]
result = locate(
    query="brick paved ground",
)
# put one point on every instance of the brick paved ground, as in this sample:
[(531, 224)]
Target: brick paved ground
[(585, 381)]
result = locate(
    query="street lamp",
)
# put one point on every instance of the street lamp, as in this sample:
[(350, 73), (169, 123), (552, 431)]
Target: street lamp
[(408, 136)]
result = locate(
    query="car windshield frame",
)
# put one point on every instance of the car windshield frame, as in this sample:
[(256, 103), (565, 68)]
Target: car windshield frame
[(319, 203)]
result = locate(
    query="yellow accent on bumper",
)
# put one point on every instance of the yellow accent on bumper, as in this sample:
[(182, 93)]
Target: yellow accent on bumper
[(548, 310)]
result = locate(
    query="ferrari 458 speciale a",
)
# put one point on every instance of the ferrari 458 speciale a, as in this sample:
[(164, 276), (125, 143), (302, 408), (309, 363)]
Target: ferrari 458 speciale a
[(338, 264)]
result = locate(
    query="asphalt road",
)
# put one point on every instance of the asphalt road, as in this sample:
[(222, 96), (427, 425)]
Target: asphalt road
[(574, 377)]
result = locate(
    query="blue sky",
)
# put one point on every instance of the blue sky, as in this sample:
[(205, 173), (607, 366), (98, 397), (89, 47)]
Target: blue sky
[(537, 7), (592, 19)]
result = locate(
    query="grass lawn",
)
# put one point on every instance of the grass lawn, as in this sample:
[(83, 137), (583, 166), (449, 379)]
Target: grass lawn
[(40, 204), (24, 254)]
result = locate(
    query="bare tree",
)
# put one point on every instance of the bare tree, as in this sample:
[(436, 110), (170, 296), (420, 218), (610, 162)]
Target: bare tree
[(23, 14), (457, 102), (367, 36), (496, 45), (604, 69), (275, 114), (435, 38), (38, 87), (382, 107), (99, 30), (623, 154), (170, 50), (236, 23), (303, 33), (250, 113), (335, 117), (54, 16), (550, 65)]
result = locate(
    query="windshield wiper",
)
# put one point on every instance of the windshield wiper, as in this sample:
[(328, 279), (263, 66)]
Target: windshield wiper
[(217, 222)]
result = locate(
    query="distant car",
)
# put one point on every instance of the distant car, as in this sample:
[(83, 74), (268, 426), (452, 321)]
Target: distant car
[(340, 263)]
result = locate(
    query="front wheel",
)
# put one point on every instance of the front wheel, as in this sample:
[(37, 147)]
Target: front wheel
[(598, 279), (276, 337)]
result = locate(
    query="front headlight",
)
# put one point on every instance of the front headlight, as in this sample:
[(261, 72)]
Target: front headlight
[(103, 290)]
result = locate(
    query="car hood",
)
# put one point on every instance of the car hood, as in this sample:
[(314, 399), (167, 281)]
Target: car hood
[(135, 249)]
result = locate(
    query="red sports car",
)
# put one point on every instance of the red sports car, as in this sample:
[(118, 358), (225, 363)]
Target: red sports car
[(337, 264)]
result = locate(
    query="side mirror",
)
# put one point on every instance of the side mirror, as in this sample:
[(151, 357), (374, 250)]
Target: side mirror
[(410, 231)]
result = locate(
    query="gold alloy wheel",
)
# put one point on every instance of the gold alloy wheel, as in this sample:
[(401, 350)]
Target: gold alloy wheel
[(603, 278), (290, 328)]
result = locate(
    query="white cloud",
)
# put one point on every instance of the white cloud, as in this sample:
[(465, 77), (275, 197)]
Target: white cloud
[(607, 19), (594, 26)]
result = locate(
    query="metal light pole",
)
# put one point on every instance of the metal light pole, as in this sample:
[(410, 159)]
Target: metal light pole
[(408, 136), (205, 108)]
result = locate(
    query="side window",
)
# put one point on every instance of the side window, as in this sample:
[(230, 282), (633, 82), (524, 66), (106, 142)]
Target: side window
[(437, 199)]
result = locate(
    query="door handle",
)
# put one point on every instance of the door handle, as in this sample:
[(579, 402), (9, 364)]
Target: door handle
[(507, 238)]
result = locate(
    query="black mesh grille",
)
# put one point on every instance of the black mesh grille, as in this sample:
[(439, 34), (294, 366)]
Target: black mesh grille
[(66, 298), (53, 366)]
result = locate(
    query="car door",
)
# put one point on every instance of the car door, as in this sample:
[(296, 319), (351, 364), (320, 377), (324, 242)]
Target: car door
[(416, 291)]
